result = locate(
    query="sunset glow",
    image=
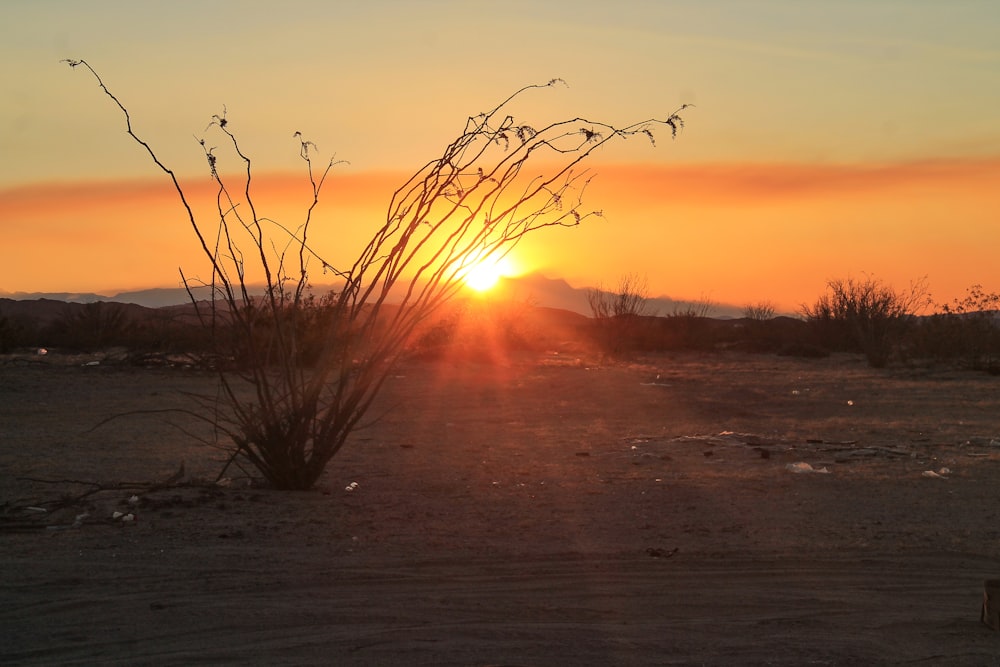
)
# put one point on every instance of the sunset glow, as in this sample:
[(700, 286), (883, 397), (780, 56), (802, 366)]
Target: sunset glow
[(825, 140), (735, 233), (485, 274)]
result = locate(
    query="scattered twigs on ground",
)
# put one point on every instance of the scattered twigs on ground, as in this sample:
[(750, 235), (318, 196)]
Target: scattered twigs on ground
[(21, 515)]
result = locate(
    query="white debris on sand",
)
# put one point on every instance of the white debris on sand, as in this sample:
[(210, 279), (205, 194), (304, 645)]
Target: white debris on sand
[(803, 467)]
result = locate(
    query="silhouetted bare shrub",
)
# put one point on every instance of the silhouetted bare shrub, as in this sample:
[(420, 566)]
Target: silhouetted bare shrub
[(966, 331), (630, 298), (617, 314), (17, 332), (171, 330), (699, 308), (473, 203), (689, 326), (865, 316), (92, 326), (757, 332), (761, 311)]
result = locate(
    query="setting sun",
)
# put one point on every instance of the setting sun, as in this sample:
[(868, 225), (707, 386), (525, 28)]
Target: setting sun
[(485, 274)]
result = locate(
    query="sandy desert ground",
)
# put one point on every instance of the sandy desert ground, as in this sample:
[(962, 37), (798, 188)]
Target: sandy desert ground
[(538, 510)]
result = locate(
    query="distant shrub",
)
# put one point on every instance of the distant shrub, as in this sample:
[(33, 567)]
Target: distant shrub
[(865, 316), (92, 326), (434, 338), (690, 327), (168, 331), (16, 332), (618, 315), (761, 311), (966, 330), (758, 335), (699, 308), (629, 299), (297, 330)]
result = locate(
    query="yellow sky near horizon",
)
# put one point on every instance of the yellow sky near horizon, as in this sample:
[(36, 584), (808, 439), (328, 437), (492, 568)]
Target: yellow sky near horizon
[(828, 138)]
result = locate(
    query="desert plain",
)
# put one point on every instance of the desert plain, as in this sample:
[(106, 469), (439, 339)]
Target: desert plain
[(543, 508)]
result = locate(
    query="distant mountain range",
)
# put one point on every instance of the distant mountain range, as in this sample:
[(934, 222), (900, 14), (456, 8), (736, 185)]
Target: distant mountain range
[(540, 290), (151, 298), (535, 289)]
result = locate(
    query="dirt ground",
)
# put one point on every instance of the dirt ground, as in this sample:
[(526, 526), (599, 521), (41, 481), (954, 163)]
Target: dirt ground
[(538, 510)]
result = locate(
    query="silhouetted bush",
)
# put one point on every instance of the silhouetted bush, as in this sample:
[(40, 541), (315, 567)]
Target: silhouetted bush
[(786, 336), (866, 316), (473, 203), (619, 325), (91, 326), (967, 331), (17, 332), (756, 327)]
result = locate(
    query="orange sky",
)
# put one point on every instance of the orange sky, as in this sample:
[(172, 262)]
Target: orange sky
[(731, 233), (827, 138)]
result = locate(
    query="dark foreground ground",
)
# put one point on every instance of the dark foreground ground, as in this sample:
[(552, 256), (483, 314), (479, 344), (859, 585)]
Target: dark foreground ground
[(535, 511)]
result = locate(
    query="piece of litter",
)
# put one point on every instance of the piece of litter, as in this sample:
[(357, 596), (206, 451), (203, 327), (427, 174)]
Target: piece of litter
[(351, 487), (133, 500), (803, 467), (940, 474), (128, 517), (117, 515)]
